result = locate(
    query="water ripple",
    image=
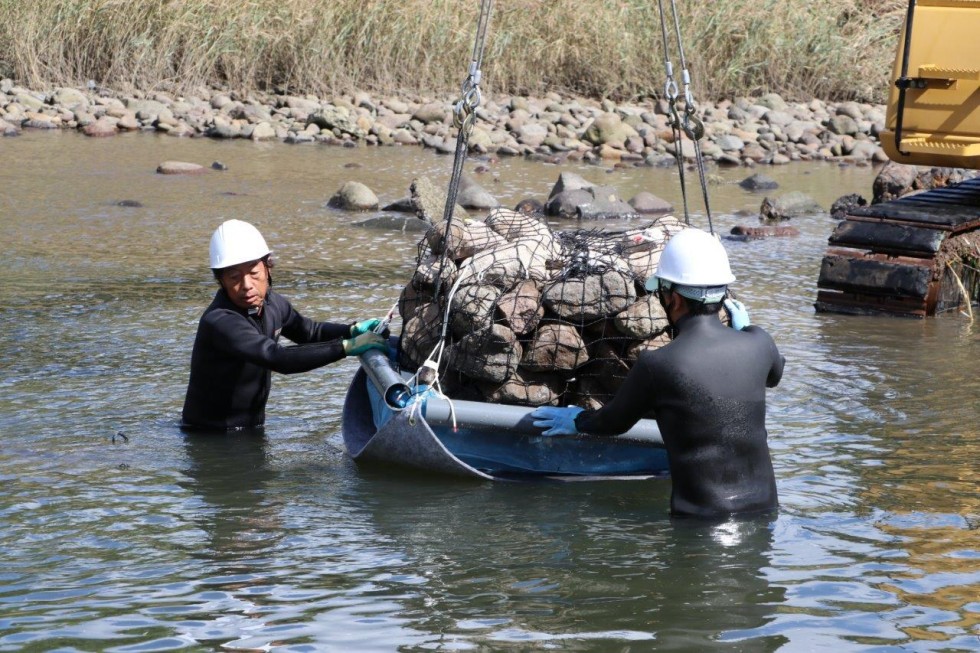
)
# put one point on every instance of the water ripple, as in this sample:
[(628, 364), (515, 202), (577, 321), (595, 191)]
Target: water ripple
[(155, 541)]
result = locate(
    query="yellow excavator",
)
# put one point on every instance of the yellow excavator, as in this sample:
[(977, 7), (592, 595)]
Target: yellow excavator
[(934, 108), (919, 255)]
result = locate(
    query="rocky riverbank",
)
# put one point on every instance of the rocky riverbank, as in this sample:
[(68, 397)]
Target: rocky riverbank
[(740, 132)]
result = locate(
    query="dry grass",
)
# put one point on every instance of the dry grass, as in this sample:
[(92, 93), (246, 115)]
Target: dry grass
[(834, 49)]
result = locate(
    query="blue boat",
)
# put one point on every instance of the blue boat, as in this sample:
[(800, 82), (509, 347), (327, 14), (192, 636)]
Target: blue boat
[(480, 440)]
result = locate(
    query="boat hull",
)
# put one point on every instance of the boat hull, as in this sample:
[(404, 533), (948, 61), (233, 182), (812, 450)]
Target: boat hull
[(489, 442)]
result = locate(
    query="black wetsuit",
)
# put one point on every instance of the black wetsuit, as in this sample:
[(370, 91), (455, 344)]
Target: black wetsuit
[(235, 354), (707, 389)]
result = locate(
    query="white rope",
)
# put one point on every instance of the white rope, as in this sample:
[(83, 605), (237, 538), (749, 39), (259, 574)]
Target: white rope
[(384, 323), (433, 362)]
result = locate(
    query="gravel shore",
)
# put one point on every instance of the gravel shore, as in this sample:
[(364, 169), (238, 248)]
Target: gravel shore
[(739, 132)]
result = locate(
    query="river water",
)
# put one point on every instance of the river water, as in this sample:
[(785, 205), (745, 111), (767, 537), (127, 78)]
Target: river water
[(150, 541)]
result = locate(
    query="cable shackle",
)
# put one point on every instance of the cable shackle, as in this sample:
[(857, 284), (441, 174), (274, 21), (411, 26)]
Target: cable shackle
[(670, 86), (693, 125), (690, 124), (470, 97), (464, 115), (672, 92)]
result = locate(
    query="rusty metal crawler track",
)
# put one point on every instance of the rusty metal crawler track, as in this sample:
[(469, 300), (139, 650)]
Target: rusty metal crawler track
[(890, 258)]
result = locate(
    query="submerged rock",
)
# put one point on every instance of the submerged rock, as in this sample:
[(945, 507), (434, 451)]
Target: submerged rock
[(740, 232), (180, 168), (430, 201), (530, 207), (395, 222), (896, 180), (758, 181), (403, 205), (573, 197), (354, 196), (602, 208), (789, 205), (473, 196), (565, 203), (7, 129), (842, 205), (646, 203)]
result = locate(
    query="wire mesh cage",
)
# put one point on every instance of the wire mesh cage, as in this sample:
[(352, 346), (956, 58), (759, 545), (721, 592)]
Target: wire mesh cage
[(509, 311)]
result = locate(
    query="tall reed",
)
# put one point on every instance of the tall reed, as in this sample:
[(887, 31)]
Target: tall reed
[(833, 49)]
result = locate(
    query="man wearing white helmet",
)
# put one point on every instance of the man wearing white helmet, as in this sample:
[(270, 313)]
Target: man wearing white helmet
[(237, 345), (706, 388)]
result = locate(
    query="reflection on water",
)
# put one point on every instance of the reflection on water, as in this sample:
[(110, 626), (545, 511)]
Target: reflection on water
[(161, 541), (600, 562), (235, 509)]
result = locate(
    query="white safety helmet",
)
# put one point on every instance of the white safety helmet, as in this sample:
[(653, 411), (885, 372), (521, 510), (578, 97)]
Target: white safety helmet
[(693, 264), (236, 242)]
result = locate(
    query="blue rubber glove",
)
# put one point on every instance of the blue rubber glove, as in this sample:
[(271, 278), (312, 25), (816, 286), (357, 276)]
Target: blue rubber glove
[(557, 421), (360, 344), (364, 326), (737, 314)]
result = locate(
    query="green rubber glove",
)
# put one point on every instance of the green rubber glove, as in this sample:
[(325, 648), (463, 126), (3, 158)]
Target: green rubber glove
[(360, 344), (364, 326)]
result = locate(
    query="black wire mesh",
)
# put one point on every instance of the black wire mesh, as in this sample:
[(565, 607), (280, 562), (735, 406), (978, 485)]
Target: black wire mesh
[(529, 316)]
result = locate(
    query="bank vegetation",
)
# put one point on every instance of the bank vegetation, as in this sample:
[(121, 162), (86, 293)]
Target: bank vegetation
[(833, 49)]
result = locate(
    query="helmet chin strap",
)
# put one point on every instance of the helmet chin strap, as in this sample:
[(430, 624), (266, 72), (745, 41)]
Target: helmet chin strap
[(671, 327), (267, 264)]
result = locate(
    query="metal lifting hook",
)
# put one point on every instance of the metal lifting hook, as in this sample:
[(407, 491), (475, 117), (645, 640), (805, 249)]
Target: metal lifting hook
[(693, 125), (690, 124)]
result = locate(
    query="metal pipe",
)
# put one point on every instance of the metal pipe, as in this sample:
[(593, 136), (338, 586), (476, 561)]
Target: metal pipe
[(513, 419), (500, 418), (384, 377)]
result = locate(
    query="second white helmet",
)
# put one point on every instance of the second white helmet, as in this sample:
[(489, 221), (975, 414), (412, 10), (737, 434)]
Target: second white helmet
[(234, 242), (693, 258)]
